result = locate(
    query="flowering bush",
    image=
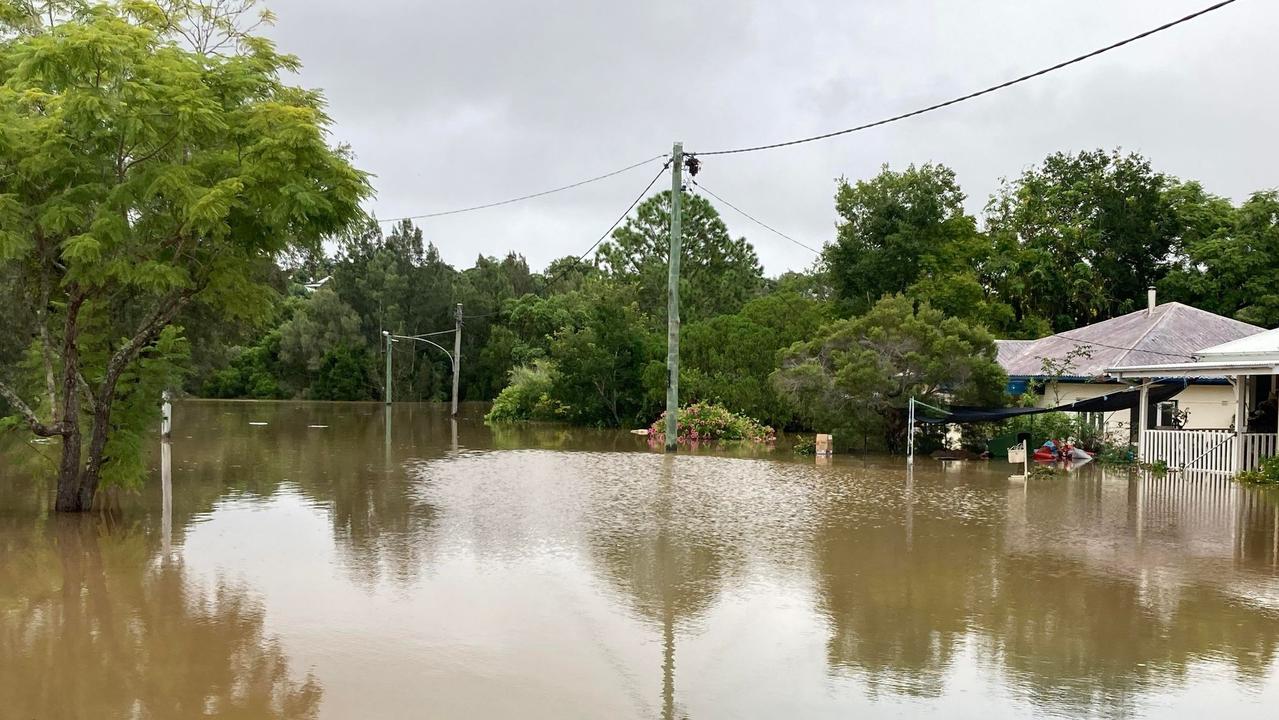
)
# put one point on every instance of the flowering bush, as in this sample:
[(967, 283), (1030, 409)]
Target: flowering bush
[(707, 422)]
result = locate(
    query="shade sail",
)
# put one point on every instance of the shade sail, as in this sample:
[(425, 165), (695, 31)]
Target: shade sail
[(1122, 399)]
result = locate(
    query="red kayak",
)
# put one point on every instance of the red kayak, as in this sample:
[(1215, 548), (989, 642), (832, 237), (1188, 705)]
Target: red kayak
[(1043, 454)]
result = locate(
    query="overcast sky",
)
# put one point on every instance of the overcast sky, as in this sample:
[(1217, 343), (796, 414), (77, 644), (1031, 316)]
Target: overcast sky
[(457, 102)]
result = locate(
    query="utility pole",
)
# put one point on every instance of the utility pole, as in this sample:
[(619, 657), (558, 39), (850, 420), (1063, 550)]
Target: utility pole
[(672, 302), (387, 335), (457, 352)]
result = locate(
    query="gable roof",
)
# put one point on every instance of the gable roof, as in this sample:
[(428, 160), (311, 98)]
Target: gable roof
[(1168, 333)]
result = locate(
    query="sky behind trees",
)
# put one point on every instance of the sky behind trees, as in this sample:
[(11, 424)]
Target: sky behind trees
[(460, 102)]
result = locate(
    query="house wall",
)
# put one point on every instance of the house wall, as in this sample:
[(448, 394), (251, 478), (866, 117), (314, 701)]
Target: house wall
[(1210, 406)]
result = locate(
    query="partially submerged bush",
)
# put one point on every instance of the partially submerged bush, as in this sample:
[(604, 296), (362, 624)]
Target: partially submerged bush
[(707, 422), (527, 397), (1267, 474), (1116, 454)]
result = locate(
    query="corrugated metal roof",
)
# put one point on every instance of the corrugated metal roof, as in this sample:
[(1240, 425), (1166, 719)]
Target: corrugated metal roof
[(1169, 333), (1262, 345)]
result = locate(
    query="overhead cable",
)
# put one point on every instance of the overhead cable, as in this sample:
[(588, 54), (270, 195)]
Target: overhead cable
[(521, 198), (757, 221), (979, 93)]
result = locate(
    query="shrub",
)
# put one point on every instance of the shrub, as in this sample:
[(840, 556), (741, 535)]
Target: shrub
[(805, 445), (707, 422), (527, 396), (1116, 454), (1267, 474)]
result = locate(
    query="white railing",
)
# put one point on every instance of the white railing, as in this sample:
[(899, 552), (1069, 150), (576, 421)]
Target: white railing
[(1257, 446), (1206, 451)]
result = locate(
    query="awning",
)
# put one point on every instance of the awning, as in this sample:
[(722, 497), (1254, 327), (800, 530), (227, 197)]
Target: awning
[(1201, 368), (1124, 399)]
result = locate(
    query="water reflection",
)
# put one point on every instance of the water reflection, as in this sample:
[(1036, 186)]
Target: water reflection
[(90, 627), (406, 560)]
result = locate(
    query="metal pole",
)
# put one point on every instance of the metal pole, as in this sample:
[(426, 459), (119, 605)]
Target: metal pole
[(1143, 421), (387, 335), (457, 353), (672, 302), (910, 432), (166, 415)]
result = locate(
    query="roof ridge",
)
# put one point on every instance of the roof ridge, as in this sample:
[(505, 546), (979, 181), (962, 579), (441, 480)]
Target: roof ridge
[(1163, 317)]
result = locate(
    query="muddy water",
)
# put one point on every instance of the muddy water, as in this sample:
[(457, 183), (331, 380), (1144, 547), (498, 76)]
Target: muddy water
[(318, 566)]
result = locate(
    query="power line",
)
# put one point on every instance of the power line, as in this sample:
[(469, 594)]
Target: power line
[(979, 93), (578, 259), (757, 221), (508, 201), (616, 222), (1081, 341)]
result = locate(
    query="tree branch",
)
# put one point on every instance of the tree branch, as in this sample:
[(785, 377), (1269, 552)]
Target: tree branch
[(159, 318), (28, 414)]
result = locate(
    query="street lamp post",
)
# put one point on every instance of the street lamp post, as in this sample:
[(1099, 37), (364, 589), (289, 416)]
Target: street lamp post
[(453, 359)]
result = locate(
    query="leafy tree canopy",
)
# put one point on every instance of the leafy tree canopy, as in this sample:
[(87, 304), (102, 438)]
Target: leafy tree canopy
[(717, 273), (152, 155), (859, 374)]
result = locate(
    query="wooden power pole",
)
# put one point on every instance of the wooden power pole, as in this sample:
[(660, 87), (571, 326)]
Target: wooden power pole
[(672, 302), (457, 352)]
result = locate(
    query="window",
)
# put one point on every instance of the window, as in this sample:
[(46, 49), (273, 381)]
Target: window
[(1168, 416)]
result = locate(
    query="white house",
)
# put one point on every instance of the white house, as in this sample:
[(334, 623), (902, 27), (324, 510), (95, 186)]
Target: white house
[(1080, 364), (1251, 366)]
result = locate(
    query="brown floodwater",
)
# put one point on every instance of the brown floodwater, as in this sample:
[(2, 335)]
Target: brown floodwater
[(298, 560)]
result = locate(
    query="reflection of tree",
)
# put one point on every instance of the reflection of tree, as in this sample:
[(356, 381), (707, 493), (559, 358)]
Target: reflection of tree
[(1072, 636), (899, 587), (90, 628), (670, 574), (378, 519)]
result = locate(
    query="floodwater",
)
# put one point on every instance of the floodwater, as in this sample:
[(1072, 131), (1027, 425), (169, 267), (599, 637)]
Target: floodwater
[(318, 566)]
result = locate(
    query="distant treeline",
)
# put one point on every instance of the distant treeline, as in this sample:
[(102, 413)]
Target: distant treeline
[(907, 288)]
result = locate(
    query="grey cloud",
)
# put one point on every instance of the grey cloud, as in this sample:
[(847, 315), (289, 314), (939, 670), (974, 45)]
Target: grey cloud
[(457, 103)]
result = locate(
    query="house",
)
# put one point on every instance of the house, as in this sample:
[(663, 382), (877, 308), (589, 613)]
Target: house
[(1251, 367), (1078, 364)]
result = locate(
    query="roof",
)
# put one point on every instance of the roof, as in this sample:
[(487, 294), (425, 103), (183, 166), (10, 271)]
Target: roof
[(1203, 368), (1009, 349), (1168, 333), (1256, 354), (1263, 345)]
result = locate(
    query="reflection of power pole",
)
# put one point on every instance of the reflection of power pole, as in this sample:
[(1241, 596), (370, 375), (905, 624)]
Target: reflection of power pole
[(664, 552), (668, 664), (166, 500), (672, 302)]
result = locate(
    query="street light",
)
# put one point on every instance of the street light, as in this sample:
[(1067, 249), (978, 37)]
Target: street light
[(423, 338)]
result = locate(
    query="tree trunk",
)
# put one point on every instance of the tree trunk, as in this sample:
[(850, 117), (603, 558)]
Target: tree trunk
[(69, 474)]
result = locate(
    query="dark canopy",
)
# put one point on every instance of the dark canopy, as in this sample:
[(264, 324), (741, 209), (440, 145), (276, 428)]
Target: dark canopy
[(1122, 399)]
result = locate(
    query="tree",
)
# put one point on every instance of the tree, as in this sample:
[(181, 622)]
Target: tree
[(399, 283), (1231, 264), (858, 374), (1084, 235), (717, 273), (728, 359), (152, 157), (321, 324), (601, 364), (907, 232)]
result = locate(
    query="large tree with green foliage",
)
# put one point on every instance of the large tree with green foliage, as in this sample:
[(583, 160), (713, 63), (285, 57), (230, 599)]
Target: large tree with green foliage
[(859, 374), (1231, 262), (907, 232), (1082, 236), (717, 273), (727, 359), (151, 155)]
